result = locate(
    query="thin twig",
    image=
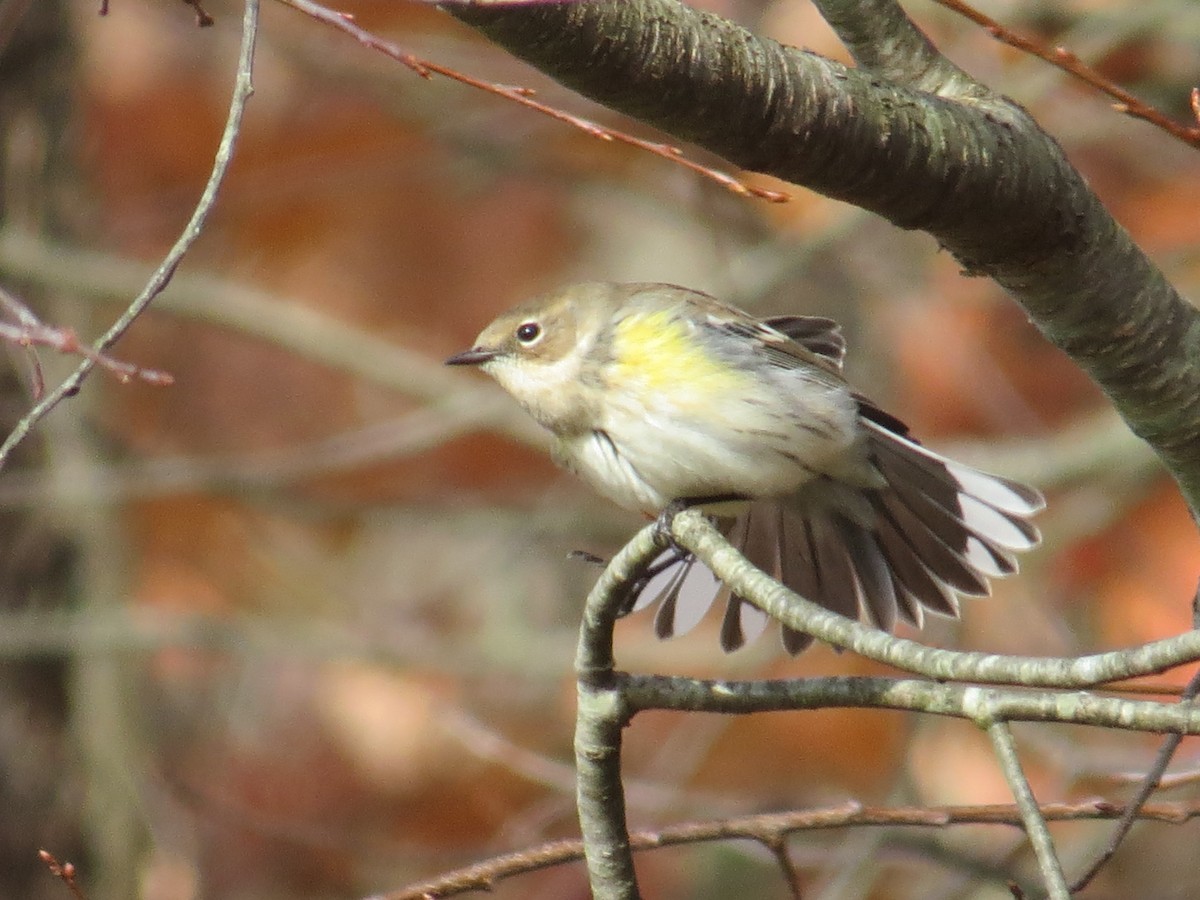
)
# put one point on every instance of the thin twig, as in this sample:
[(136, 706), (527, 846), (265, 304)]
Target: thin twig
[(1035, 823), (203, 19), (1166, 782), (242, 90), (524, 96), (787, 868), (1152, 779), (1064, 59), (310, 333), (25, 316), (67, 342), (770, 828), (1146, 689), (65, 872), (19, 311)]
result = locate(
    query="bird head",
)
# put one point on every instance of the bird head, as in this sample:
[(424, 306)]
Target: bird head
[(543, 351)]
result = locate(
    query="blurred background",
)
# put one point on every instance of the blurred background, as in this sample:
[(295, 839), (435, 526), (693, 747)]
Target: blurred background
[(301, 625)]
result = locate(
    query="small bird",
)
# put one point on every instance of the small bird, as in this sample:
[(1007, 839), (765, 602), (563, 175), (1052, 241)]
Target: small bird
[(664, 397)]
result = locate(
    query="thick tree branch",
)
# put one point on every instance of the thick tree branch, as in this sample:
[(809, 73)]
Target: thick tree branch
[(883, 39), (966, 165)]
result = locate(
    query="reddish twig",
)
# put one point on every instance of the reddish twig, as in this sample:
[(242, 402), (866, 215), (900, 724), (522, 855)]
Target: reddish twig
[(30, 331), (771, 829), (203, 19), (1064, 59), (524, 96), (64, 872), (1142, 688), (787, 869), (64, 340)]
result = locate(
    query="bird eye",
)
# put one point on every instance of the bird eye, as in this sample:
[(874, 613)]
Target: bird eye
[(528, 332)]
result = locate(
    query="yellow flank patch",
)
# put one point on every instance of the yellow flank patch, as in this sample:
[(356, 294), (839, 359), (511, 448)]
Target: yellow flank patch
[(656, 351)]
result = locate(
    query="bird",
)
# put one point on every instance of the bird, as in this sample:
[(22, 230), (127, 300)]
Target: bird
[(663, 397)]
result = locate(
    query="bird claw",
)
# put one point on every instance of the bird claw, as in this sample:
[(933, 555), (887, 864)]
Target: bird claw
[(662, 525)]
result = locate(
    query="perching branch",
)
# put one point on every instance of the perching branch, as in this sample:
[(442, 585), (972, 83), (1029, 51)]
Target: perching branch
[(697, 534), (609, 698)]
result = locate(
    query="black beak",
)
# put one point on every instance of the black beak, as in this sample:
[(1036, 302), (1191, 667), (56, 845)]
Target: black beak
[(472, 357)]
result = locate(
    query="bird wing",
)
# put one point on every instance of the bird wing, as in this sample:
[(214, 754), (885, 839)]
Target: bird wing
[(802, 342), (787, 342), (815, 333)]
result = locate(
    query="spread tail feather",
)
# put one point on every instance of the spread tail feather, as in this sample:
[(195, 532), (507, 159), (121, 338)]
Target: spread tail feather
[(936, 530)]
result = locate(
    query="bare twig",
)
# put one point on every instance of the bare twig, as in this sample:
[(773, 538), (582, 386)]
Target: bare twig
[(1148, 689), (203, 19), (1152, 779), (769, 829), (243, 89), (524, 96), (64, 340), (787, 869), (1005, 748), (65, 872), (310, 333), (31, 332), (1064, 59), (24, 315)]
